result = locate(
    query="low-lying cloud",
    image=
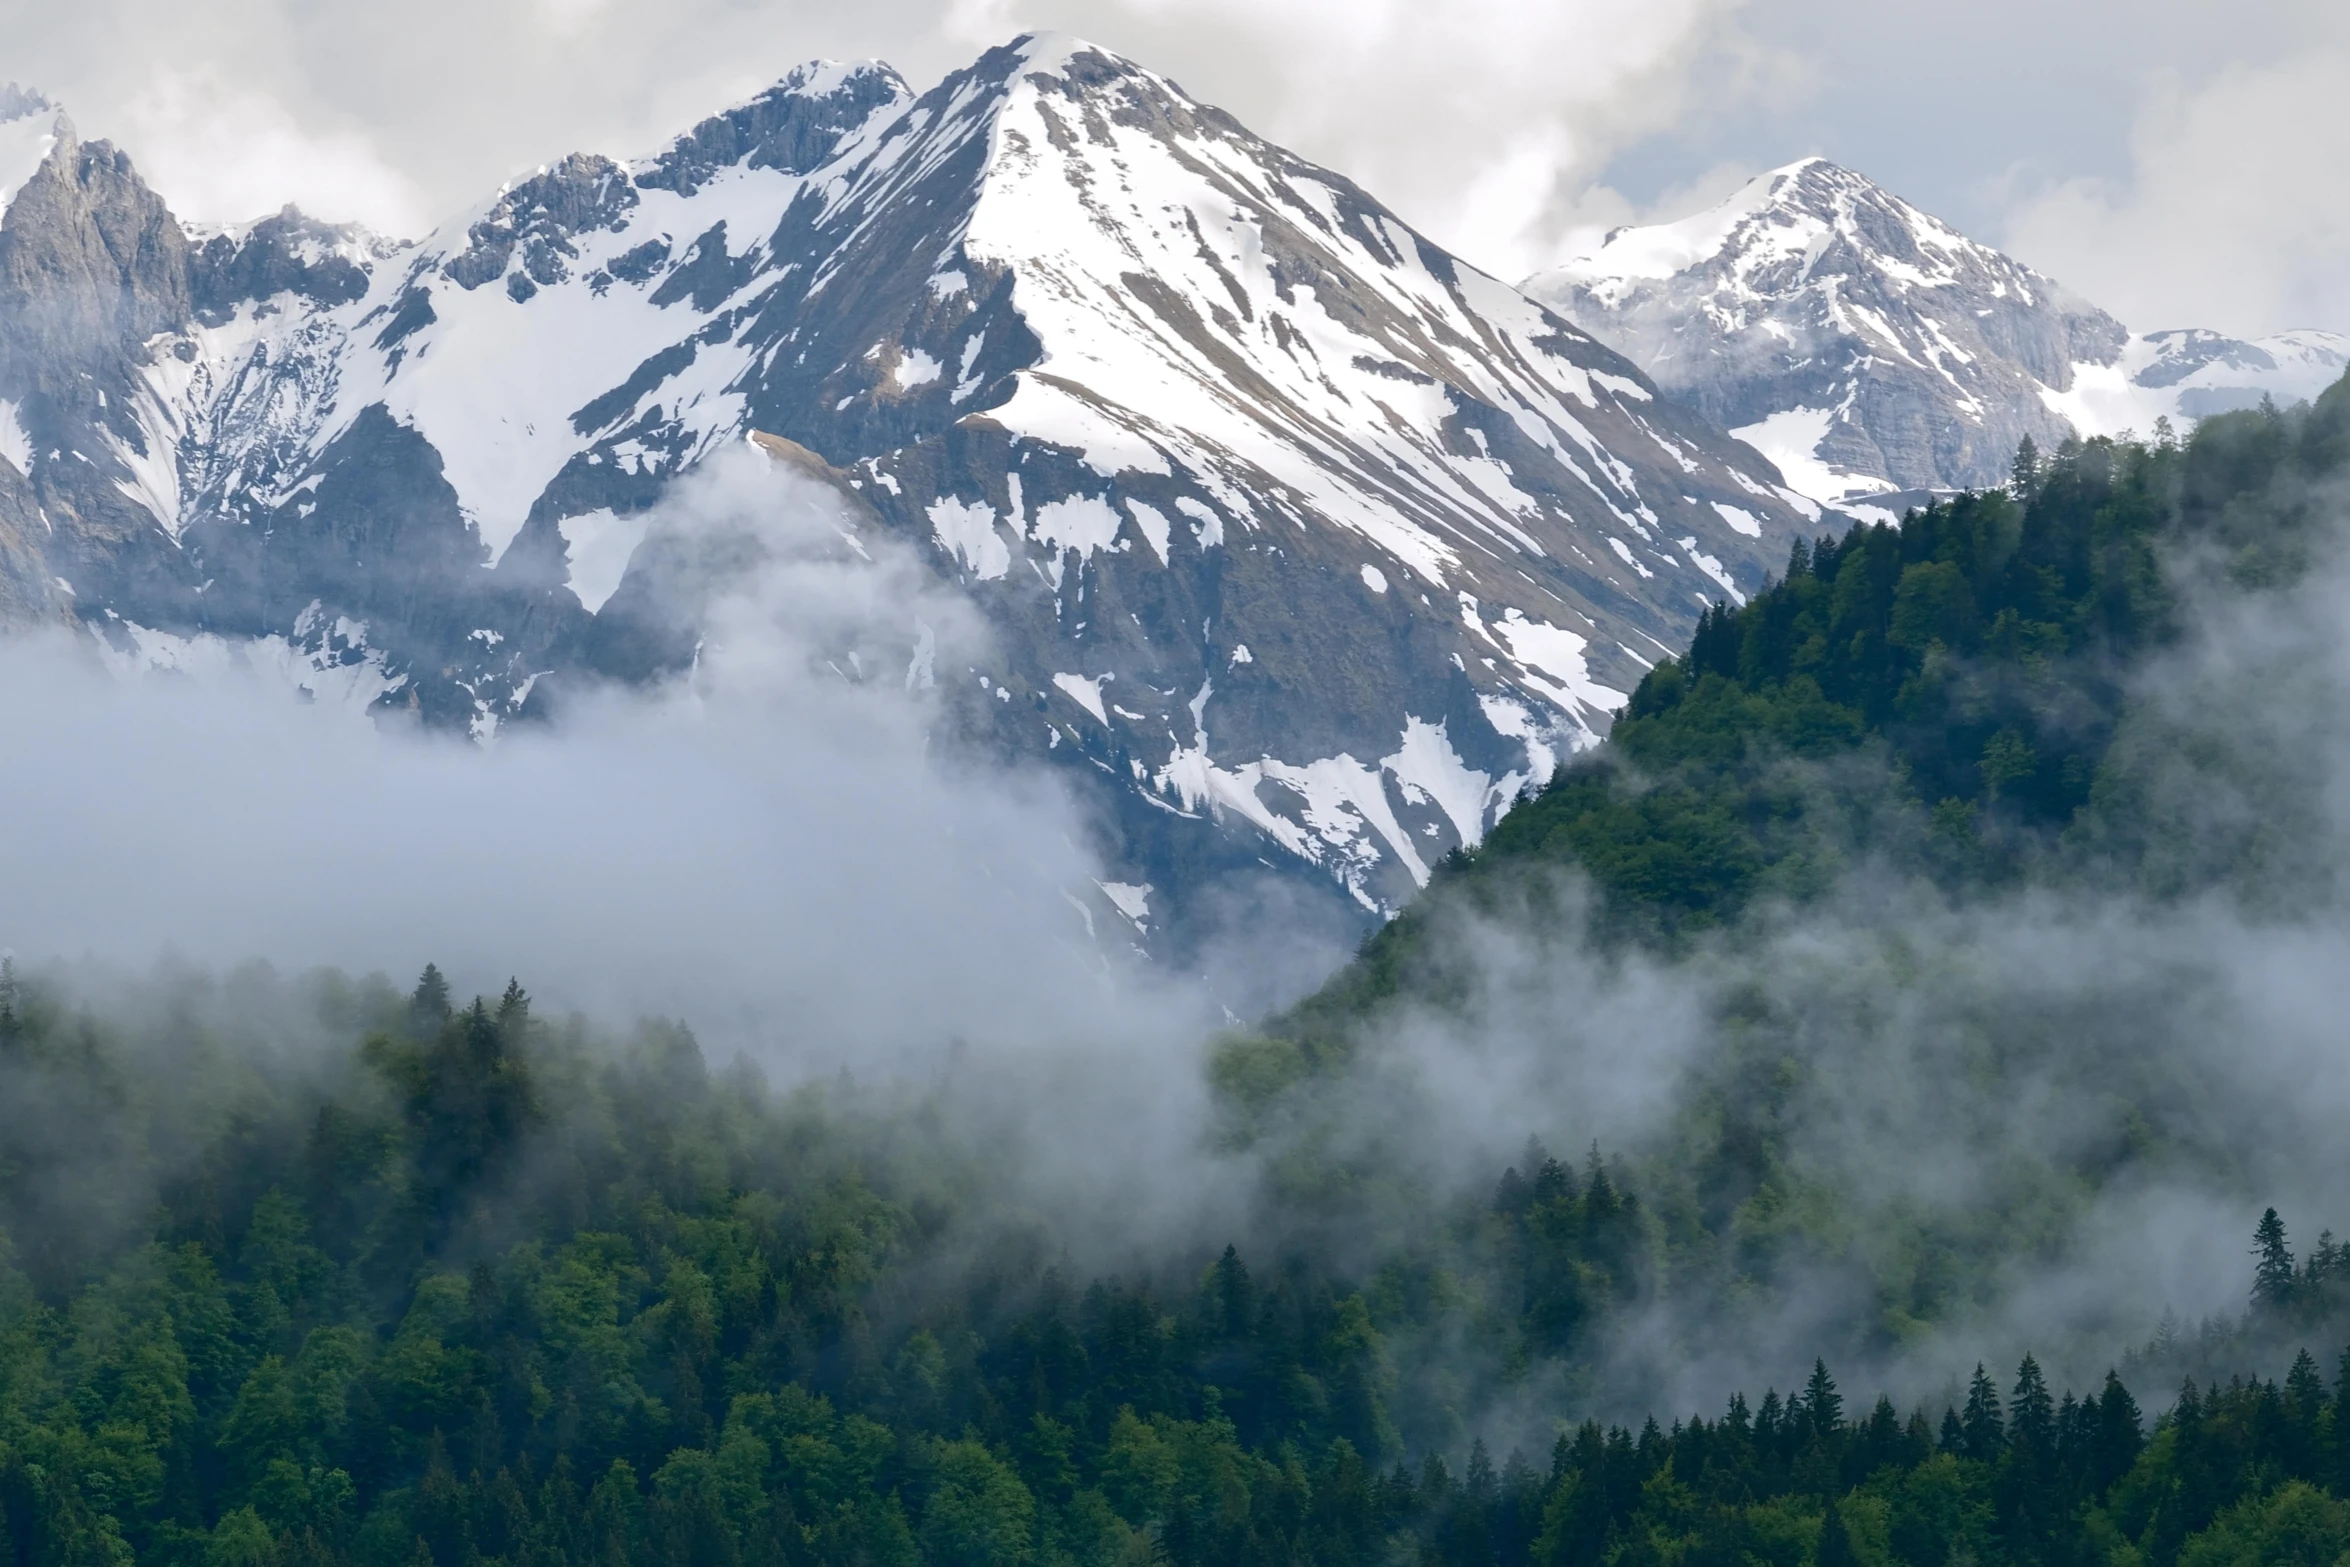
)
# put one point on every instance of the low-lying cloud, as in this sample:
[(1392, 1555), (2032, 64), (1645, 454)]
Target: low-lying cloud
[(776, 847)]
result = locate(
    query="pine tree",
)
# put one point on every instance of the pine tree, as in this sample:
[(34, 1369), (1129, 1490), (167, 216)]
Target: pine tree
[(10, 1003), (429, 1006), (1985, 1433), (513, 1011), (2031, 1425), (1823, 1406), (2304, 1405), (2273, 1277), (2120, 1434), (2024, 477)]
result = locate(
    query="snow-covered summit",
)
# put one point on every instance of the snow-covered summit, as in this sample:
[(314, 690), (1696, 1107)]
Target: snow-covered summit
[(1301, 539), (1865, 345), (1861, 343)]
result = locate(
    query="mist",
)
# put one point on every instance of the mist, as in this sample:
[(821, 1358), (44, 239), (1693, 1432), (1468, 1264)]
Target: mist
[(769, 845), (2037, 1119), (2041, 1120)]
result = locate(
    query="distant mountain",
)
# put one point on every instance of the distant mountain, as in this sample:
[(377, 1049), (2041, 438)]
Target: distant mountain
[(1305, 544), (1865, 346)]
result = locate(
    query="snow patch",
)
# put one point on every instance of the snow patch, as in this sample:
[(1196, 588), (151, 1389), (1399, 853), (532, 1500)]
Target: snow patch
[(1156, 530), (15, 445), (597, 547), (1555, 660), (967, 530), (1427, 767), (1740, 519), (1374, 578), (1086, 692), (1130, 899), (915, 369), (1083, 523)]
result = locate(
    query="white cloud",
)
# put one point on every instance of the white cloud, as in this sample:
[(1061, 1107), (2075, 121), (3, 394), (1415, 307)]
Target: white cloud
[(1474, 118), (1514, 131), (2236, 214), (227, 153)]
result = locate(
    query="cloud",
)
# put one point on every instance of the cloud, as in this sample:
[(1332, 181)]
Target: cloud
[(769, 849), (1477, 120), (227, 153), (2233, 215), (1472, 117), (1513, 131)]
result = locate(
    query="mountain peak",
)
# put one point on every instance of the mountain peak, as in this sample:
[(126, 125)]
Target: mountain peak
[(1300, 539), (1861, 343), (793, 126), (1803, 210)]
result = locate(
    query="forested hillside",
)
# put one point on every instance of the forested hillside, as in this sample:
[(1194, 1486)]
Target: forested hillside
[(1940, 700), (483, 1289), (1933, 859)]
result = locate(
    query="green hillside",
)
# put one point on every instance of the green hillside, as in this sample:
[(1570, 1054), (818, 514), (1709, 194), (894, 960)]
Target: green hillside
[(324, 1271)]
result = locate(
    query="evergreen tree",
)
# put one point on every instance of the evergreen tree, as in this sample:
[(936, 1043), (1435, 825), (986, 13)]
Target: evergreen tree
[(2273, 1276), (513, 1012), (2024, 474), (2120, 1433), (429, 1006), (2031, 1426), (1823, 1406), (1985, 1433)]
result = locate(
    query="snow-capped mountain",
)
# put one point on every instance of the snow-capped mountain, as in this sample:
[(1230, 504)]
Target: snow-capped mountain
[(1865, 346), (1302, 540)]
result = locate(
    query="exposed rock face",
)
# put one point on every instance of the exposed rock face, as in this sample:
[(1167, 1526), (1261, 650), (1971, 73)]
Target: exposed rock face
[(1869, 350), (1304, 544)]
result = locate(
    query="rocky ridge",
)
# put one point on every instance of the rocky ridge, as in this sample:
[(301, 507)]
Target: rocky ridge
[(1303, 543)]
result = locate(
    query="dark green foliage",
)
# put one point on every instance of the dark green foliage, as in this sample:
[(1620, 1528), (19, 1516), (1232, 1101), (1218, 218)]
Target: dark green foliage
[(1949, 698), (481, 1291)]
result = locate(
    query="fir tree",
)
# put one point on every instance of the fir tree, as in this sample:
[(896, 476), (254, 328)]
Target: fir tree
[(2273, 1276), (2024, 475), (1823, 1406), (1985, 1431), (2031, 1426), (429, 1006), (2120, 1433)]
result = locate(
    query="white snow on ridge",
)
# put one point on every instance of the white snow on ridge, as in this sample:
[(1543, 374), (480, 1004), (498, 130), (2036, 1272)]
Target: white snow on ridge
[(1431, 413), (2146, 382)]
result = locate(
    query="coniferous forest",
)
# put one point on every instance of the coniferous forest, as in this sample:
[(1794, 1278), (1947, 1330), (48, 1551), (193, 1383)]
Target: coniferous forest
[(328, 1269)]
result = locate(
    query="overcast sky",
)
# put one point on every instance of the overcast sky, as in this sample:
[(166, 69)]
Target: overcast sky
[(2179, 161)]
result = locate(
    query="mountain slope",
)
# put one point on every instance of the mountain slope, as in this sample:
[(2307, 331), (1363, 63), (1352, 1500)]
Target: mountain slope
[(1866, 346), (1287, 522), (1962, 700)]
